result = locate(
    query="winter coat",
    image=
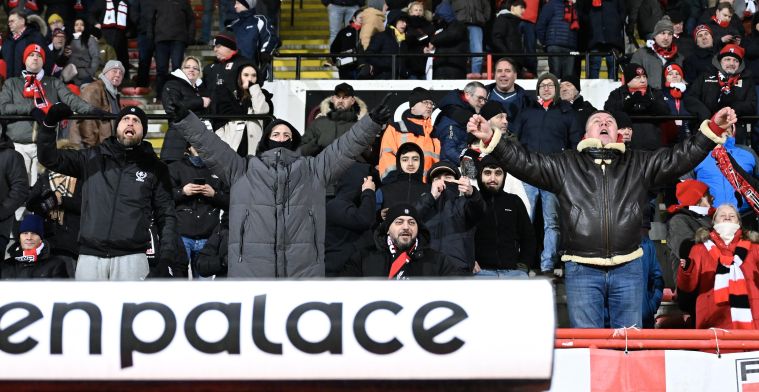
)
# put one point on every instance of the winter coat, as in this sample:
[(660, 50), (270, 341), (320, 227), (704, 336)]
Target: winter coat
[(88, 133), (677, 107), (719, 187), (450, 125), (411, 128), (281, 183), (734, 28), (221, 73), (254, 34), (681, 227), (425, 261), (144, 11), (178, 89), (243, 136), (512, 102), (605, 24), (451, 37), (385, 43), (61, 234), (329, 125), (698, 279), (418, 33), (709, 98), (700, 62), (14, 186), (506, 36), (646, 134), (552, 29), (85, 56), (347, 40), (123, 190), (452, 221), (643, 14), (12, 102), (350, 215), (197, 215), (173, 20), (46, 266), (474, 12), (13, 49), (610, 234), (374, 22), (653, 65), (685, 43), (401, 187), (583, 109), (548, 131), (505, 236)]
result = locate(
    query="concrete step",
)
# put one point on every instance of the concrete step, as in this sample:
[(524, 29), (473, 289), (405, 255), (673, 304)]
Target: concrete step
[(299, 49), (321, 42), (287, 35), (304, 63), (306, 75)]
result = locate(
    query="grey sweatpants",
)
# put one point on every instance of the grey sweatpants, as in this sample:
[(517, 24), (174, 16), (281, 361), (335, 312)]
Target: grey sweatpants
[(129, 267)]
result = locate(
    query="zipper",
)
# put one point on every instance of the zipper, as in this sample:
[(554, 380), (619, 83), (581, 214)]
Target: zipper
[(113, 209), (606, 219), (242, 235), (276, 218)]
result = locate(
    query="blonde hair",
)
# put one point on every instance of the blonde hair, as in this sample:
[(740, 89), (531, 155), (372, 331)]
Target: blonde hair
[(197, 60)]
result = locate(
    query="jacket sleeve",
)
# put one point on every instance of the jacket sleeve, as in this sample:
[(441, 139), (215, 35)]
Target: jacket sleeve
[(666, 165), (258, 101), (10, 106), (340, 154), (267, 40), (747, 105), (16, 178), (426, 206), (546, 13), (695, 105), (542, 171), (94, 50), (388, 146), (309, 145), (678, 233), (176, 185), (68, 162), (687, 280), (474, 208), (75, 103), (217, 155), (353, 266), (350, 216), (164, 213)]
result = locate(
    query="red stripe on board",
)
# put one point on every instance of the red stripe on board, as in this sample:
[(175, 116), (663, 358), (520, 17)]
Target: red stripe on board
[(612, 370), (752, 387)]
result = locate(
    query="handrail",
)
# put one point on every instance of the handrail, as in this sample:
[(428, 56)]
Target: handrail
[(657, 339), (11, 118)]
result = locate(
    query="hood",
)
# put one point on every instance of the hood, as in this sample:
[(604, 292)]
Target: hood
[(349, 185), (267, 132), (399, 174), (36, 20), (445, 12), (5, 142), (716, 64), (177, 73), (488, 160), (359, 107)]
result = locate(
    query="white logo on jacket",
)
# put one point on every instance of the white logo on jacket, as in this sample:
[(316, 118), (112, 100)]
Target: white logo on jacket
[(140, 176)]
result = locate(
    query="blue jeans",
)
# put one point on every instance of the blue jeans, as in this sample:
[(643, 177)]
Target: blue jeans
[(339, 17), (475, 46), (193, 247), (207, 19), (145, 47), (550, 224), (165, 51), (501, 274), (561, 66), (529, 39), (595, 66), (593, 291)]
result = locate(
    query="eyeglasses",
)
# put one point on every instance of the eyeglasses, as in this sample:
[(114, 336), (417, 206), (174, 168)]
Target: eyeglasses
[(480, 98), (187, 67), (546, 86), (429, 103)]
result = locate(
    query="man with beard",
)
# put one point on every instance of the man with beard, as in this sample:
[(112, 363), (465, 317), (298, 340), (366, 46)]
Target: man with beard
[(504, 244), (124, 187), (403, 250), (337, 114)]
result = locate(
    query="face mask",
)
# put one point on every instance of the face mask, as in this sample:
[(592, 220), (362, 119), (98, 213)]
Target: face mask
[(275, 144), (196, 161), (726, 230)]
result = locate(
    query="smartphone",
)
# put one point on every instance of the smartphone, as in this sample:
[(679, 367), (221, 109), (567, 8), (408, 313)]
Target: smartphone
[(199, 181)]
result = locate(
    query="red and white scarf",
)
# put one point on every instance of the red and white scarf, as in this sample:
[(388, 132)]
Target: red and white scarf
[(723, 23), (33, 89), (31, 255), (726, 82), (400, 260), (570, 15), (665, 53), (729, 282), (739, 183)]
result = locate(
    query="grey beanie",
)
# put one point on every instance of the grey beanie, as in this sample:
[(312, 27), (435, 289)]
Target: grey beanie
[(664, 24), (111, 64)]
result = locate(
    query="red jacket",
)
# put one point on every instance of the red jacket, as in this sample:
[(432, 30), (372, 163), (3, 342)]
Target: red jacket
[(699, 279)]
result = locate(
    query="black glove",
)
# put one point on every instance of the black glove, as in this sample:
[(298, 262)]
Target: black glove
[(38, 115), (684, 253), (177, 111), (264, 58), (381, 113), (43, 203), (55, 114)]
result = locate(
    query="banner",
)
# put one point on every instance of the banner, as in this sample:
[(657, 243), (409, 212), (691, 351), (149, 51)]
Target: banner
[(284, 330)]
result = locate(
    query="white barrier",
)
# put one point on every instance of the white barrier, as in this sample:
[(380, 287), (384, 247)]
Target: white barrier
[(287, 330)]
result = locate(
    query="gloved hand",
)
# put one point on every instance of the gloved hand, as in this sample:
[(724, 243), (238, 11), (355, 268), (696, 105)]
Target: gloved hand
[(58, 112), (264, 58), (381, 113), (177, 111), (638, 102)]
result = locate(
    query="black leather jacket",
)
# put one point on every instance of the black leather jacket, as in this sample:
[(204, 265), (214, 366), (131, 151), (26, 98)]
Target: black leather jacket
[(600, 205)]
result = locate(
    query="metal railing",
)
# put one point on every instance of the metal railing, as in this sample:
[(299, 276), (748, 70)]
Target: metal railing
[(491, 58)]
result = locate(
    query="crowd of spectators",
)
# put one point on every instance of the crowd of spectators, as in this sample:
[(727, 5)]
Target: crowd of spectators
[(490, 181)]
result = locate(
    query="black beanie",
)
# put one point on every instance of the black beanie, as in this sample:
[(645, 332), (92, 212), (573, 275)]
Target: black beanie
[(137, 112), (225, 40), (632, 70), (401, 209), (419, 94), (575, 80), (491, 109)]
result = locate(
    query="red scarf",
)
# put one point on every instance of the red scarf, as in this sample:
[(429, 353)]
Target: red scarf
[(729, 282), (722, 24), (726, 83), (666, 53), (399, 261), (570, 15), (545, 103), (739, 183), (596, 3), (642, 91), (33, 89), (674, 92)]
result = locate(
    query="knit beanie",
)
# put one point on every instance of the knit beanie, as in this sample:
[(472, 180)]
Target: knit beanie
[(700, 28), (675, 67), (491, 109), (632, 70), (690, 191), (623, 120), (226, 41), (33, 48), (113, 64), (664, 24), (728, 50), (134, 110), (401, 209), (32, 224), (552, 78), (575, 80), (419, 94)]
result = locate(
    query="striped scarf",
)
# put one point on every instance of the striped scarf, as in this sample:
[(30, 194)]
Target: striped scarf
[(729, 283), (399, 260)]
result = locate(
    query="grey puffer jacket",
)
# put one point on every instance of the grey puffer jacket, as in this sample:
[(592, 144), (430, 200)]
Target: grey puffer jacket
[(277, 199)]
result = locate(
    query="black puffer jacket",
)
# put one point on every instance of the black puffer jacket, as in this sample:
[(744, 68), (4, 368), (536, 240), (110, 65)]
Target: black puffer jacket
[(601, 209), (425, 261), (401, 187), (700, 61), (14, 186), (646, 134), (123, 190), (46, 266), (418, 33), (176, 90), (385, 43), (197, 215)]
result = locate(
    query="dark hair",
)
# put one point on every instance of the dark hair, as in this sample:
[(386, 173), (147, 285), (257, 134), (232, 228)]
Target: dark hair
[(514, 3), (508, 60), (243, 93), (727, 5), (20, 13)]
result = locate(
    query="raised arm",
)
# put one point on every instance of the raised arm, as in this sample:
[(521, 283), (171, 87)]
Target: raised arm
[(68, 162)]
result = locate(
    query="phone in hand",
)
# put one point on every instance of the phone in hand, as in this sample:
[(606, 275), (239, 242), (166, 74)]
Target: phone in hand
[(199, 181)]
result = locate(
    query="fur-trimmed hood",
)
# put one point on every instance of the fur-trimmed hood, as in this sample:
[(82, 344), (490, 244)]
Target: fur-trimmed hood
[(326, 106), (37, 20), (702, 235)]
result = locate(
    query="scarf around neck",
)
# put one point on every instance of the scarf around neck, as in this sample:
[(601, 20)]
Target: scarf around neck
[(729, 281), (727, 82), (570, 15), (33, 89), (399, 260)]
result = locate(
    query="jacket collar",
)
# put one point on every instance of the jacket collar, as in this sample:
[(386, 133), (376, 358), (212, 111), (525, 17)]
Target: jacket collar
[(600, 153)]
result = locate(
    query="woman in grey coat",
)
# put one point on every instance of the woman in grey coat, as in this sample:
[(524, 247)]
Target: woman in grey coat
[(85, 54)]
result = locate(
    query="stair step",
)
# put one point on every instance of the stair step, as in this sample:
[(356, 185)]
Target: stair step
[(305, 69), (315, 41), (317, 33), (291, 62), (321, 22), (297, 49), (316, 5), (306, 75)]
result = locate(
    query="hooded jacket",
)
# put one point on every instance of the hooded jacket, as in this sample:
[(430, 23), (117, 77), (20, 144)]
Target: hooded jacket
[(329, 125), (602, 192), (178, 89), (451, 219), (277, 211), (505, 237), (709, 98), (402, 187), (350, 215), (13, 49), (411, 128), (47, 265), (123, 190), (425, 261)]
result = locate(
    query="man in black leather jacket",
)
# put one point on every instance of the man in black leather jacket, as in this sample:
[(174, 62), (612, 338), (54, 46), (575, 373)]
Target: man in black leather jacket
[(602, 188)]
